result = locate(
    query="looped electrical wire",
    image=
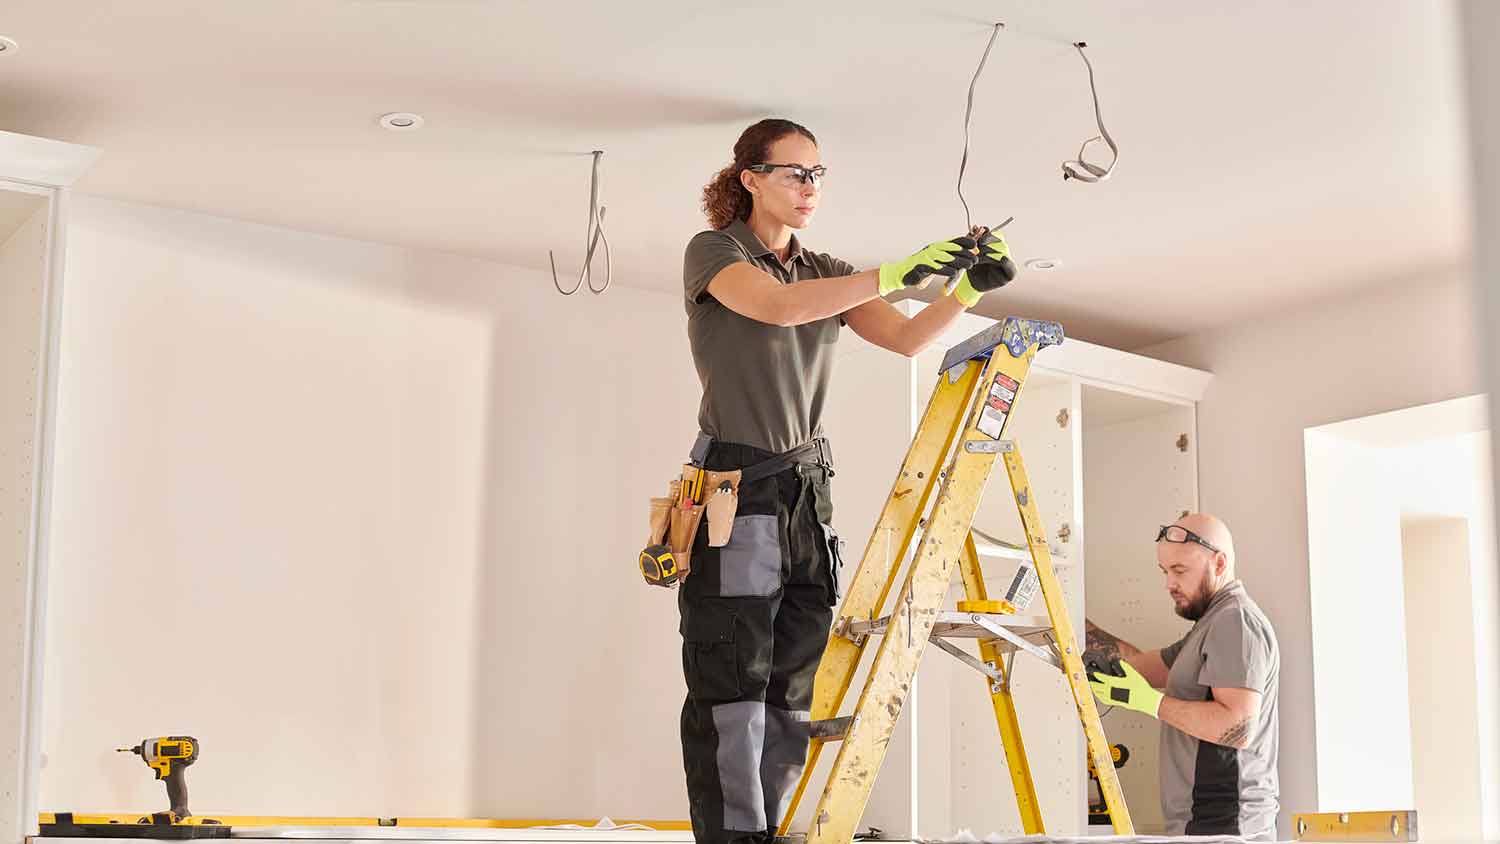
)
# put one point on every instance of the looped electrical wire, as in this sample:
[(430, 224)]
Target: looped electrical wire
[(1078, 168), (594, 235)]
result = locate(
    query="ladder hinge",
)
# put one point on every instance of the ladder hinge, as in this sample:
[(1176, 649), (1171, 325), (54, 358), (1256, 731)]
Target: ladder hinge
[(831, 729), (842, 628)]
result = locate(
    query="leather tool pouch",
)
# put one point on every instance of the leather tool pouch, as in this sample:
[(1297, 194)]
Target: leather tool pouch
[(721, 498), (676, 518), (686, 514)]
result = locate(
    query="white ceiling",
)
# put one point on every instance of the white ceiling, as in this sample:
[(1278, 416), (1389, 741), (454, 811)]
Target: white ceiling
[(1272, 152)]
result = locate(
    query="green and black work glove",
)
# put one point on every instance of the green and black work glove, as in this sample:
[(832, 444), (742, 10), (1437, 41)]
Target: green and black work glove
[(946, 258), (993, 269), (1121, 685)]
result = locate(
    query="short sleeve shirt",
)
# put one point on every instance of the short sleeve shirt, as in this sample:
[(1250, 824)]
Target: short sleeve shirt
[(1206, 788), (763, 385)]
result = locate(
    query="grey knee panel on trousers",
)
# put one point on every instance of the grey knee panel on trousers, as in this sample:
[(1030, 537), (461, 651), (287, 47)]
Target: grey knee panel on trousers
[(742, 735), (782, 757)]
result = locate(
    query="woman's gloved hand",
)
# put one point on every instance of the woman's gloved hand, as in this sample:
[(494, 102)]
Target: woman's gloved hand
[(946, 258), (993, 269)]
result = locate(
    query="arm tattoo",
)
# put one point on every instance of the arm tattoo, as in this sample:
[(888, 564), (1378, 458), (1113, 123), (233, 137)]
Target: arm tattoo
[(1095, 639), (1236, 735)]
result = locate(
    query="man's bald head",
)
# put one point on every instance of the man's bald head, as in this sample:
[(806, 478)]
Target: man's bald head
[(1194, 572), (1212, 529)]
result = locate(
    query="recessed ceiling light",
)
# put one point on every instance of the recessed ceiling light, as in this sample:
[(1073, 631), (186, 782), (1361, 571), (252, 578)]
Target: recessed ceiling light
[(401, 121), (7, 46), (1043, 263)]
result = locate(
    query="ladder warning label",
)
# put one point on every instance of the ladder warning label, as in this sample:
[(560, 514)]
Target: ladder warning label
[(997, 405), (1022, 587)]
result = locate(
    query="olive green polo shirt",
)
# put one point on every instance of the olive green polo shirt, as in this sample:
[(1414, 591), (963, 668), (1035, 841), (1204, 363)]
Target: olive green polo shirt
[(763, 385)]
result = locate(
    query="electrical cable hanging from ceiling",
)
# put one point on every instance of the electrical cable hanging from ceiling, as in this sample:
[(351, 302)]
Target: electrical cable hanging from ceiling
[(963, 162), (593, 236), (1078, 168)]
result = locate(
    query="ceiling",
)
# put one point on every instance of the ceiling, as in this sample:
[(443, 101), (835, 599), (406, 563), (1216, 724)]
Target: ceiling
[(1271, 153)]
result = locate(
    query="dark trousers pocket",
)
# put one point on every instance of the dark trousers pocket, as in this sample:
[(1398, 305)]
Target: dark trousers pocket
[(710, 663)]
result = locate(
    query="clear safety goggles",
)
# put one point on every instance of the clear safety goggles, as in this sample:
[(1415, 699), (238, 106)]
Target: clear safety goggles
[(1181, 536), (792, 175)]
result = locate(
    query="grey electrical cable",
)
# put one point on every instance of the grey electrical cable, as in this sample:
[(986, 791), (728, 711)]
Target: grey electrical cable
[(968, 114), (1091, 172), (593, 235)]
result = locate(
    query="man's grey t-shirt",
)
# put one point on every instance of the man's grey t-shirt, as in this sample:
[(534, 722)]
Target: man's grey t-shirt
[(763, 385), (1206, 788)]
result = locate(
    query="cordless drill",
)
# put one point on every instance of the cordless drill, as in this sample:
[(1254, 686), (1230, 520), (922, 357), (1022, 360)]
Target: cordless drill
[(169, 757)]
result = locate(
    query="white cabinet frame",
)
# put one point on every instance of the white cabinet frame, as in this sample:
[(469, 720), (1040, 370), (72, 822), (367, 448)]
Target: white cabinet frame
[(48, 169)]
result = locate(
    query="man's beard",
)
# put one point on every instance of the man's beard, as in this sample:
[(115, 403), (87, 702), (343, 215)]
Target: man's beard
[(1197, 605)]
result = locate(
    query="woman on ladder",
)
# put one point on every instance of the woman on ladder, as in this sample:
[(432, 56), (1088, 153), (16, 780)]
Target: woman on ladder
[(764, 316)]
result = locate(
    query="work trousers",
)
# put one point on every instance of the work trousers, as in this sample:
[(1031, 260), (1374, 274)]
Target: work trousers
[(755, 621)]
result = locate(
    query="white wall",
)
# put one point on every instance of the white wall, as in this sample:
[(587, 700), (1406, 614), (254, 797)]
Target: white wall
[(1358, 627), (1276, 375), (1449, 479), (1432, 462), (1409, 598), (1485, 581), (1443, 697), (375, 514), (1478, 31), (387, 505), (22, 288)]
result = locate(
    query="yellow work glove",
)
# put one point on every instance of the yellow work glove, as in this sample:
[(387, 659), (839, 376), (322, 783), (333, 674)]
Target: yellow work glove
[(1126, 688), (993, 270), (945, 258)]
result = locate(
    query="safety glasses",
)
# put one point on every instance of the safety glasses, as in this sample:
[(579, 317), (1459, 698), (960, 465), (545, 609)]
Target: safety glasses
[(795, 174), (1181, 535)]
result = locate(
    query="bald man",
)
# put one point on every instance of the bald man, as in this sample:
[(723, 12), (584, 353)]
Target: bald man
[(1218, 712)]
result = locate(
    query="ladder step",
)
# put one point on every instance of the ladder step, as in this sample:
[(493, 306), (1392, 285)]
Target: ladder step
[(1015, 631), (987, 607), (831, 729), (961, 625)]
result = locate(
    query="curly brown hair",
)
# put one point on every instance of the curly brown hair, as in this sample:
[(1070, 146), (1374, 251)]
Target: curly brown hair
[(724, 198)]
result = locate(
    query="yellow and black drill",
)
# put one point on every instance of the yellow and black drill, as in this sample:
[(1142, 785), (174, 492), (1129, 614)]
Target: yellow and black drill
[(169, 757)]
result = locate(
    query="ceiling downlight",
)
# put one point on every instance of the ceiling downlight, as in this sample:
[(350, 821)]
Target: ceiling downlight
[(402, 121)]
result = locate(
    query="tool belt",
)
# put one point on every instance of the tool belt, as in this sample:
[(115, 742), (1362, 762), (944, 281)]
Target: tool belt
[(698, 492), (812, 453)]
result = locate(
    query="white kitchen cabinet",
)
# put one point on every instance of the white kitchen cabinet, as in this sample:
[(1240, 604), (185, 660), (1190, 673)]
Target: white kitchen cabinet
[(34, 177)]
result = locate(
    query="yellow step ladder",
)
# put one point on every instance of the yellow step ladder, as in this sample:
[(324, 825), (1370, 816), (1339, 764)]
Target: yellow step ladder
[(952, 454)]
